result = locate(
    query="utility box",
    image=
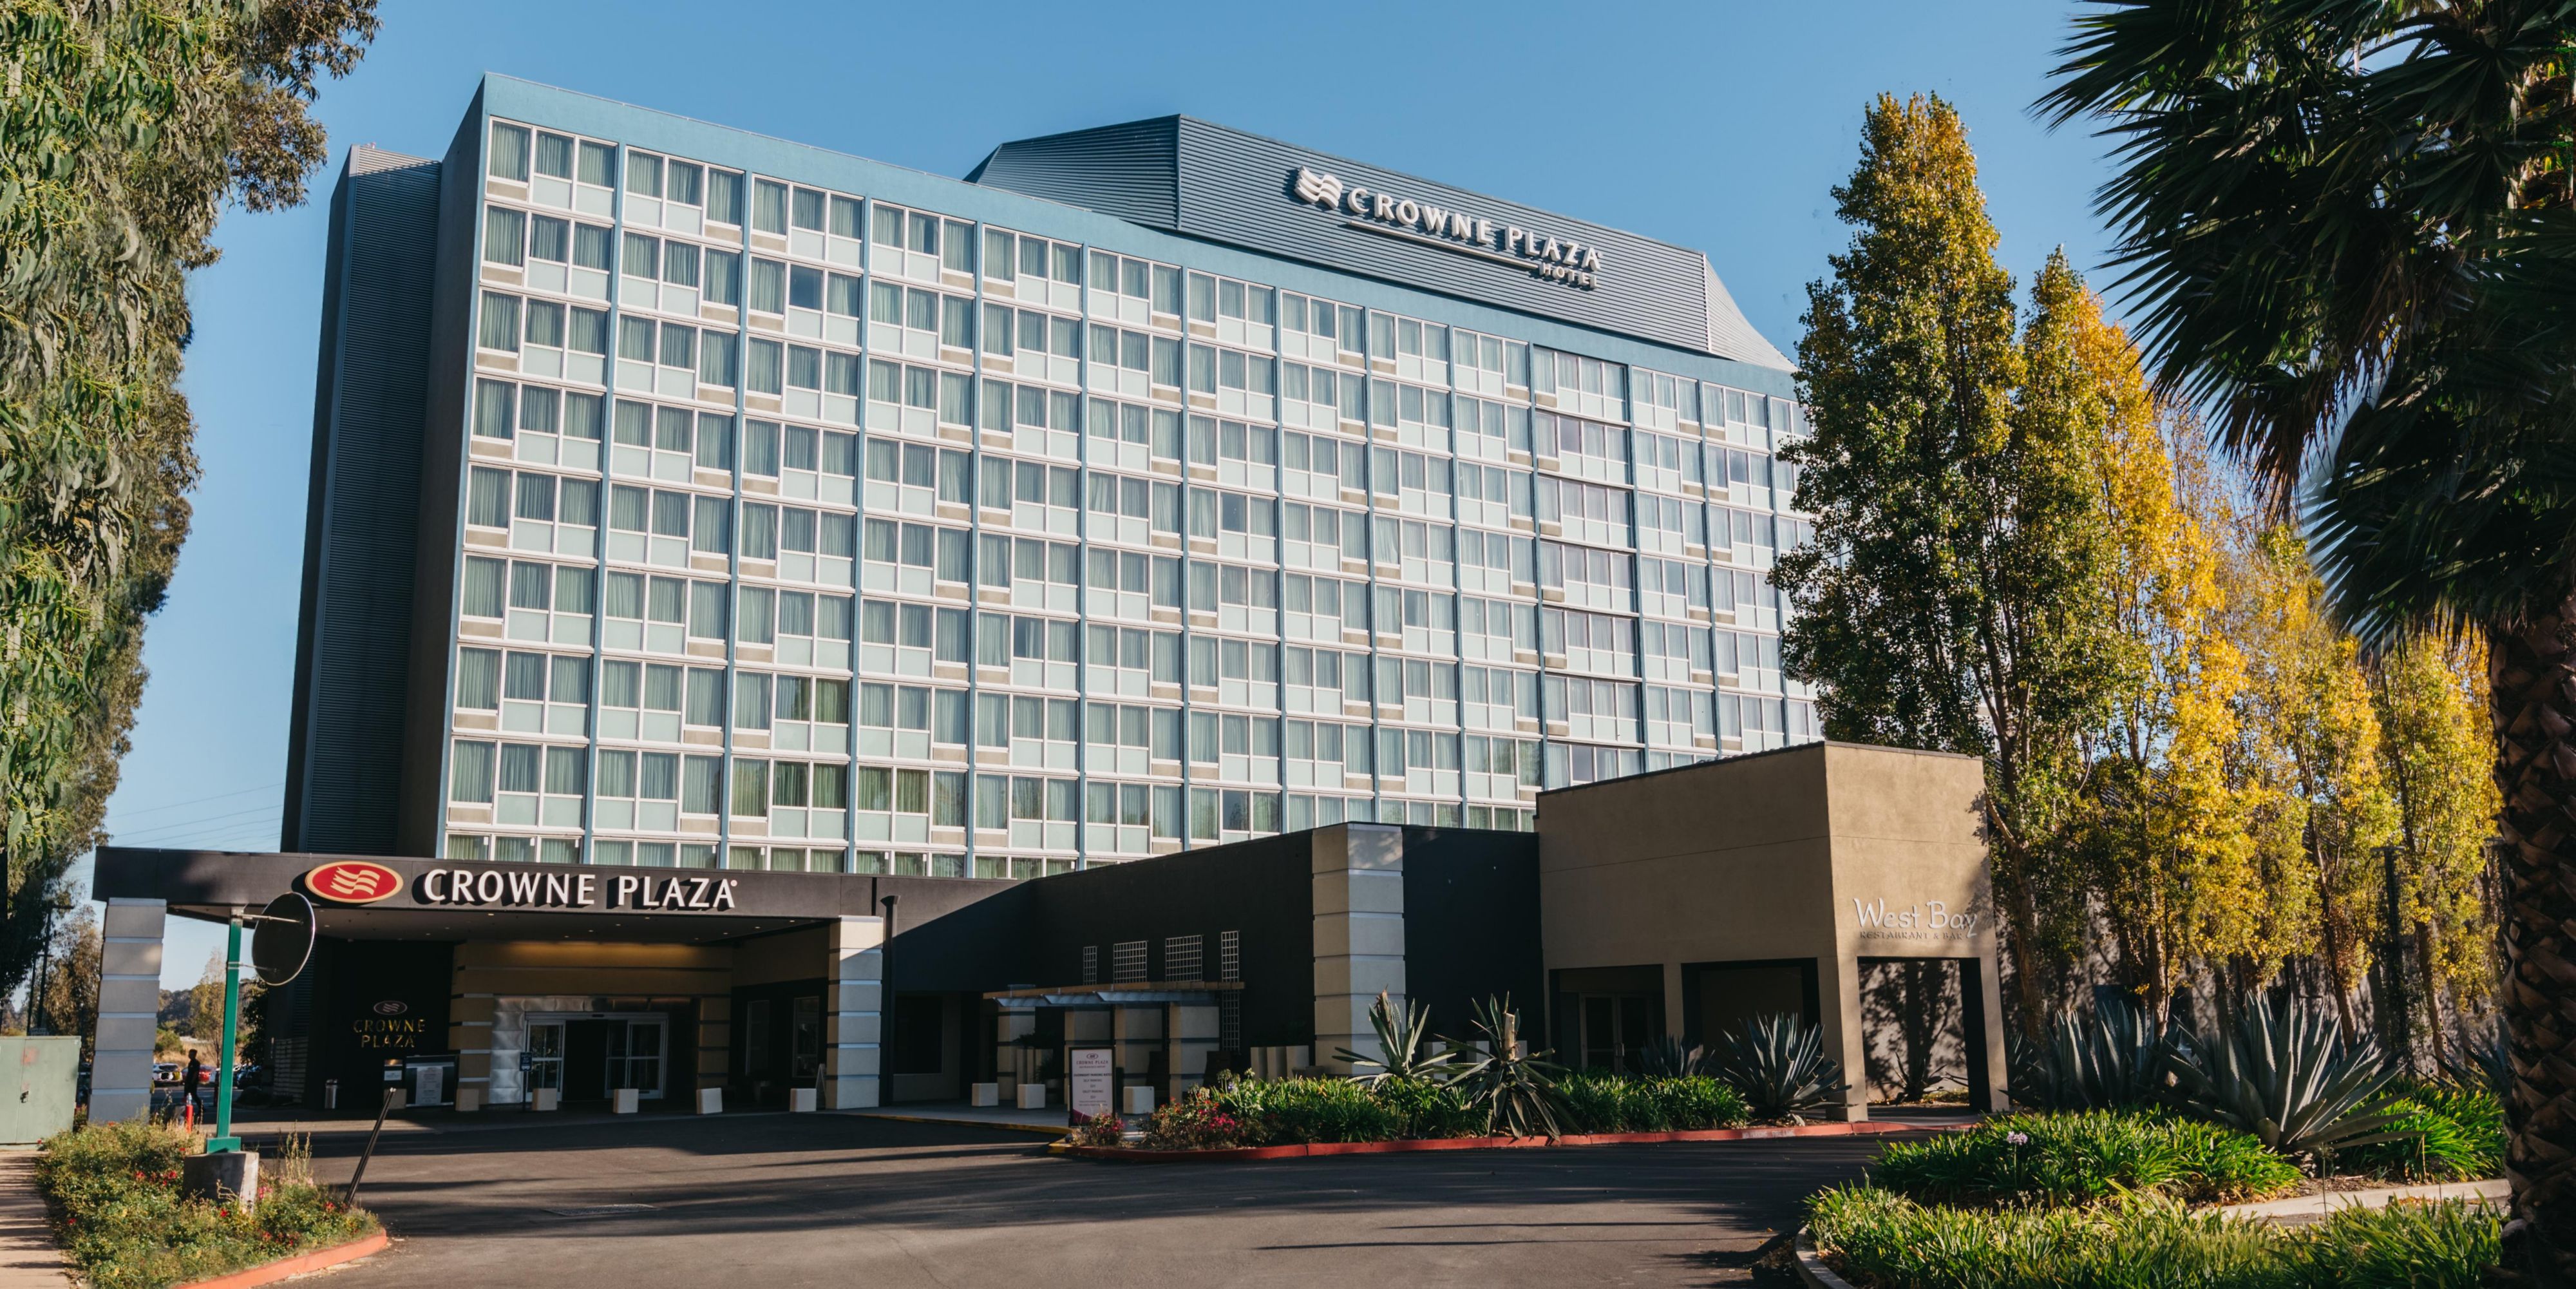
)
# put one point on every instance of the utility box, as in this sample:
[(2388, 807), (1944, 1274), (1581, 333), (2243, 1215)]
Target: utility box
[(39, 1082)]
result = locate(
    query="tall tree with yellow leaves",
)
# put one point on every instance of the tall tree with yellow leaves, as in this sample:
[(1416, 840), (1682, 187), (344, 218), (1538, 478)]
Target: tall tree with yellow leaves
[(2308, 759), (2431, 696), (2172, 866)]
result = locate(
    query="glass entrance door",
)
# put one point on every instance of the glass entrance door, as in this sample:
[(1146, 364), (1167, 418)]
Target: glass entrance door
[(635, 1055), (545, 1055), (1615, 1027)]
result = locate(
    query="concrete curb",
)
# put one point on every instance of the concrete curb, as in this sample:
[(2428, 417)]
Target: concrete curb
[(958, 1122), (2496, 1191), (1812, 1268), (1234, 1154), (272, 1272)]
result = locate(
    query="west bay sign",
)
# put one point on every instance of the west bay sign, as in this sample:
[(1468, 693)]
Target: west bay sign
[(1928, 920), (364, 882), (1554, 258)]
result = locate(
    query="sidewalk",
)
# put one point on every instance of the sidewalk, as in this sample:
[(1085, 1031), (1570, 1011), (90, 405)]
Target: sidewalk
[(28, 1258)]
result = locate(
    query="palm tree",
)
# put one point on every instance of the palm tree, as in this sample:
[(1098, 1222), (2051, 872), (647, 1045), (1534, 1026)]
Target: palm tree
[(2350, 227)]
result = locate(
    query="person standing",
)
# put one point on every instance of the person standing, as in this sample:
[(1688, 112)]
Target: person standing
[(194, 1079)]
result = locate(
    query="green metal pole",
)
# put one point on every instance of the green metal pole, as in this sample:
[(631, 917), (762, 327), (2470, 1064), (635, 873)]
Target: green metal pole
[(224, 1140)]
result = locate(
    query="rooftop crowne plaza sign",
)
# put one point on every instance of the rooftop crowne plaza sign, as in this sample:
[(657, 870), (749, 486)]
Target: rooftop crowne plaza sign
[(1553, 258)]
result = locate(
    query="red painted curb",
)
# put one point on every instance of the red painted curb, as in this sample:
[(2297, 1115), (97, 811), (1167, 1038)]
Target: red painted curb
[(1230, 1154), (272, 1272)]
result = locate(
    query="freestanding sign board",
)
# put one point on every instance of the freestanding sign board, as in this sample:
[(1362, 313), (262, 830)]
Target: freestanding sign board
[(1093, 1087)]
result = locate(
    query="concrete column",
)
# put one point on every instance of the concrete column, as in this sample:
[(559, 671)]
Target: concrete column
[(1359, 935), (1193, 1030), (1846, 1037), (129, 1010), (854, 1007), (1676, 1014), (1989, 998)]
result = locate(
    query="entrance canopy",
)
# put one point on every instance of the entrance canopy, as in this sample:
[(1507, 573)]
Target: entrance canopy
[(418, 899)]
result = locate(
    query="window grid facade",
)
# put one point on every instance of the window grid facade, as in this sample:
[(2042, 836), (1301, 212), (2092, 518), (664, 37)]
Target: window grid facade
[(808, 531)]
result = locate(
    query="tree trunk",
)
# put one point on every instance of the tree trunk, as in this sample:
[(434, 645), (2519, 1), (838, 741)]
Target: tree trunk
[(2012, 890), (2337, 960), (2425, 941), (2532, 669)]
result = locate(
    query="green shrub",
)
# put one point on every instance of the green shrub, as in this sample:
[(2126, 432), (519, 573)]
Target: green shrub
[(1696, 1102), (1881, 1239), (1293, 1111), (1596, 1101), (2450, 1135), (1591, 1101), (2060, 1160), (115, 1190), (2408, 1246), (1424, 1108)]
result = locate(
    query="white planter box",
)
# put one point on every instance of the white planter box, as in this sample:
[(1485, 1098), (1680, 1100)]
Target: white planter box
[(1140, 1100), (801, 1100), (711, 1101), (545, 1099), (984, 1094), (627, 1101), (1033, 1096)]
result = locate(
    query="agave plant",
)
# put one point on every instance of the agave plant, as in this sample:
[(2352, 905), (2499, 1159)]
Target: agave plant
[(2289, 1077), (1405, 1041), (2481, 1063), (1516, 1090), (1778, 1062), (1666, 1058), (2112, 1058)]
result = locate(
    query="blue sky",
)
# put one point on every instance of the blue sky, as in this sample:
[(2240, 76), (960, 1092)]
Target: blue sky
[(1715, 125)]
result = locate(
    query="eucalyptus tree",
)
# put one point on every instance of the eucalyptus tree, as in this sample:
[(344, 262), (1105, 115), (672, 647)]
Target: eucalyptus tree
[(2350, 230), (125, 128)]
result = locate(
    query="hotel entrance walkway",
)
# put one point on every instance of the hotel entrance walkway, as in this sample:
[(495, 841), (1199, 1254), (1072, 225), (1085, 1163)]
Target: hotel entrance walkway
[(783, 1200)]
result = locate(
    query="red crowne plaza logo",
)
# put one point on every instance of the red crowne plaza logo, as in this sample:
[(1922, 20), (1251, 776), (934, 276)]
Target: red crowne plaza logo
[(353, 881)]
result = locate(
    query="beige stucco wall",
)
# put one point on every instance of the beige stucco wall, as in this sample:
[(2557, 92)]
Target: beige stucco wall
[(1776, 856)]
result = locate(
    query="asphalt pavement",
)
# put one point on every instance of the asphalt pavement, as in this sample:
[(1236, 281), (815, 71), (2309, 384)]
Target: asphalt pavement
[(776, 1200)]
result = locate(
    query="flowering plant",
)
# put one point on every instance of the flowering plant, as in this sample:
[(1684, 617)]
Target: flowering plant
[(1195, 1122), (1097, 1130)]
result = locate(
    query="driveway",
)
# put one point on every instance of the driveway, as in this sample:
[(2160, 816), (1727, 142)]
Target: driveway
[(768, 1201)]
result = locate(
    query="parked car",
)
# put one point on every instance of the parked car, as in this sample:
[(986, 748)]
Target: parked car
[(165, 1071)]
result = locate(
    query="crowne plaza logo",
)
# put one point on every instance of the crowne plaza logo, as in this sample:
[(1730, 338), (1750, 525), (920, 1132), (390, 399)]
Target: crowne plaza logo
[(353, 881), (1556, 259)]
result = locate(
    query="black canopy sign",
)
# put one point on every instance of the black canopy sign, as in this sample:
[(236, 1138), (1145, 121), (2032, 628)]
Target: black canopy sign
[(575, 890)]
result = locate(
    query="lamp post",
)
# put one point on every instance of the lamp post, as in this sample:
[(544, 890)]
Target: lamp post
[(224, 1141)]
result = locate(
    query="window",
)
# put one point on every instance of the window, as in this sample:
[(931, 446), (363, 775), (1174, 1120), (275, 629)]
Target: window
[(509, 152), (470, 771), (505, 234), (500, 321), (484, 594)]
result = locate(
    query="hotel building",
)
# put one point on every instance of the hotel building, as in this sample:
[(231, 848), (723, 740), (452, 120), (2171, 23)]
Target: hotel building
[(688, 498)]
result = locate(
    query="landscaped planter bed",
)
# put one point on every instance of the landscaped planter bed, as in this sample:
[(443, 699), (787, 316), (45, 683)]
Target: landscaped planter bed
[(114, 1195), (1308, 1150)]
